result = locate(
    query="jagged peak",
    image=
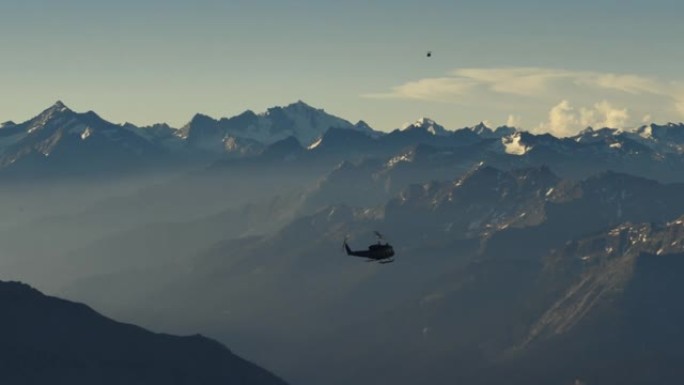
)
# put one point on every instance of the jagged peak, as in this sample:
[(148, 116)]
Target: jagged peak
[(427, 124), (199, 117), (57, 107), (482, 130), (8, 123), (300, 103), (506, 128), (17, 287), (425, 120), (247, 113), (481, 125), (295, 107), (363, 125)]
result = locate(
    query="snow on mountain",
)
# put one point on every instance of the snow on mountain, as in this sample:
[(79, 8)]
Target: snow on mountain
[(484, 132), (589, 135), (667, 138), (483, 199), (299, 120), (315, 144), (427, 125), (70, 139), (481, 129), (63, 132)]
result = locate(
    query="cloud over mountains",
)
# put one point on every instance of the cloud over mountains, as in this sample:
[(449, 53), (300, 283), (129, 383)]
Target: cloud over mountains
[(545, 98)]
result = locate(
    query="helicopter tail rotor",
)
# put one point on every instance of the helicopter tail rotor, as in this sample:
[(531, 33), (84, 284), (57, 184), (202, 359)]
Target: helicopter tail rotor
[(345, 246)]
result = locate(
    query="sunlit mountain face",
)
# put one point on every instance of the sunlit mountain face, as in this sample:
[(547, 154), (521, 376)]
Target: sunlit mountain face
[(520, 258)]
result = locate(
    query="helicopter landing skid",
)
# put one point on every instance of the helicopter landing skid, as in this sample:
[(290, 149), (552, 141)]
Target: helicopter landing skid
[(386, 261)]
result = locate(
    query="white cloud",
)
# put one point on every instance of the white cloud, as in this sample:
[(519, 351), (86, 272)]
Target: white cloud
[(433, 89), (632, 84), (514, 121), (612, 117), (680, 107), (565, 120), (525, 81), (525, 90), (528, 81)]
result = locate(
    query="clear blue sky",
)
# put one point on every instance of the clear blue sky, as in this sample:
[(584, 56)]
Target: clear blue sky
[(544, 65)]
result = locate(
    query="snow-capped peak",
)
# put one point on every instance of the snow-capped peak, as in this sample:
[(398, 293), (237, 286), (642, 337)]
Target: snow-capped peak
[(297, 107), (306, 123), (59, 104), (481, 128), (428, 125), (58, 107), (590, 134)]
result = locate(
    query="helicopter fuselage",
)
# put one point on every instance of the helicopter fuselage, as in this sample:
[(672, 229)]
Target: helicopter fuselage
[(376, 252)]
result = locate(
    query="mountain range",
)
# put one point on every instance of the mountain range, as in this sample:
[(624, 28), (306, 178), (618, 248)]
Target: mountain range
[(520, 257), (61, 141), (495, 271)]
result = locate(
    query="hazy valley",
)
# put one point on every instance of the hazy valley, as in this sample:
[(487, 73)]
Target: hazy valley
[(521, 258)]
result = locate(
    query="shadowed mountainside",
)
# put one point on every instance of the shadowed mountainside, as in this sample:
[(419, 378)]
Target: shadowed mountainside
[(49, 340)]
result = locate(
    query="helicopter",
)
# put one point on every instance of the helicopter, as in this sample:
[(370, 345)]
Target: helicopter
[(381, 252)]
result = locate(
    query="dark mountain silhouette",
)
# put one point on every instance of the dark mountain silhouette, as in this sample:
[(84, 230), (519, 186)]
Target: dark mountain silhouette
[(49, 340)]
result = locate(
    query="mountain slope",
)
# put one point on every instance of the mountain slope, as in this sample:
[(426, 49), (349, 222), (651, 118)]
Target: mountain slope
[(49, 340), (613, 312)]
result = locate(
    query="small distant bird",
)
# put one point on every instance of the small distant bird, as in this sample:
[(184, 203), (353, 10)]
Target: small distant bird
[(429, 54)]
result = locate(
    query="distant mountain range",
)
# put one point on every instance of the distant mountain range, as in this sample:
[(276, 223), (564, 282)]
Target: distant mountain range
[(46, 340), (61, 141)]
